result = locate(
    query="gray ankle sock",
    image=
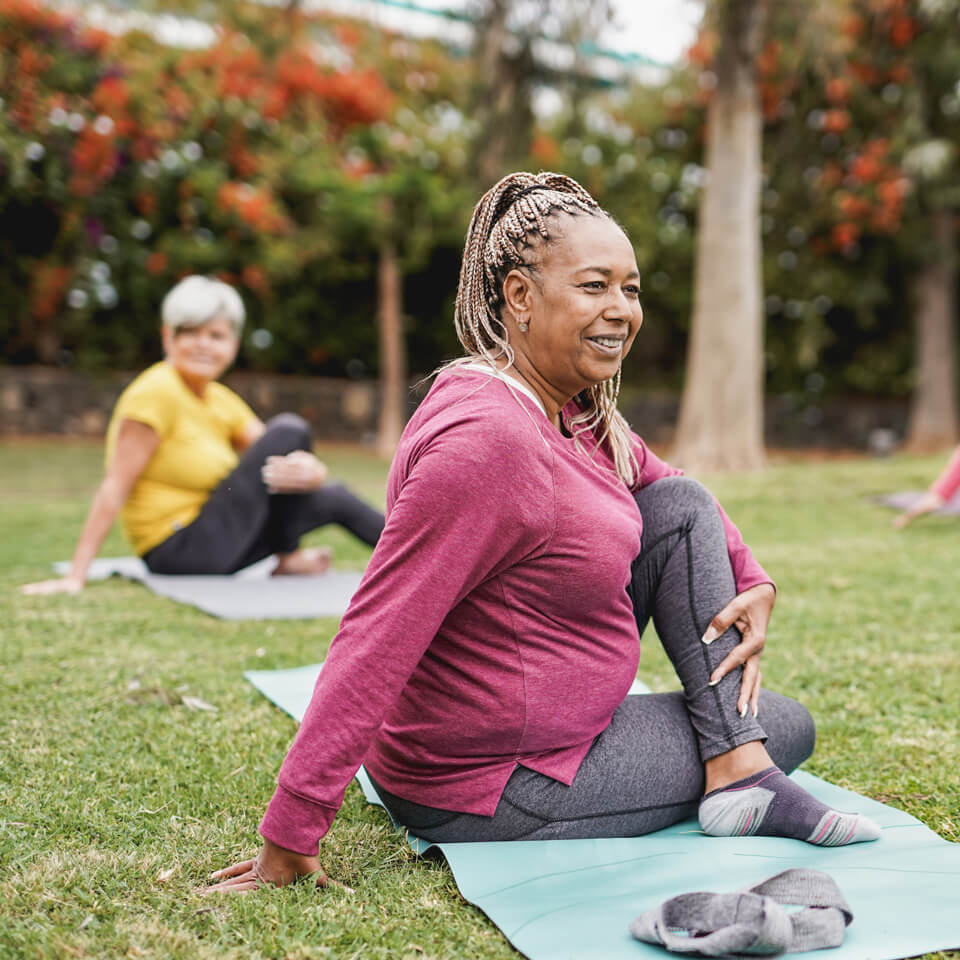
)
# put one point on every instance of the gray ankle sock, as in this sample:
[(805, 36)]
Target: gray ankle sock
[(769, 804)]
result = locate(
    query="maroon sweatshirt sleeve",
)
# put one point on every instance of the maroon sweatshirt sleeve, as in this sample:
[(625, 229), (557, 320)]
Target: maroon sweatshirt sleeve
[(945, 486), (747, 572), (462, 512)]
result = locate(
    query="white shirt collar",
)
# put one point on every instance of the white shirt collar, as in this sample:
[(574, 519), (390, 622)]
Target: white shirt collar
[(511, 382)]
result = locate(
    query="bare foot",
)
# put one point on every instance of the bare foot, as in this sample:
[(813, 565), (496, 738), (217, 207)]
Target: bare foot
[(307, 562)]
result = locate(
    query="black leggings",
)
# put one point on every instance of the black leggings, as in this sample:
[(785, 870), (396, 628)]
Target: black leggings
[(645, 771), (242, 522)]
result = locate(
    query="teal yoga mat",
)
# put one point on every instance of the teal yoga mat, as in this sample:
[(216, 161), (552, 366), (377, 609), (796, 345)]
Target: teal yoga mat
[(575, 898)]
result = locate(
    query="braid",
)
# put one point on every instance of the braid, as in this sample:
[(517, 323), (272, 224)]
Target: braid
[(511, 219)]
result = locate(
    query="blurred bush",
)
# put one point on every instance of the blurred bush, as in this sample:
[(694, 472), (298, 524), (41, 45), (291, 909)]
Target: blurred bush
[(262, 159), (265, 159)]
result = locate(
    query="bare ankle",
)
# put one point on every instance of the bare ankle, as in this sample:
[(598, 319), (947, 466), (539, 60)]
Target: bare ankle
[(309, 561), (742, 761)]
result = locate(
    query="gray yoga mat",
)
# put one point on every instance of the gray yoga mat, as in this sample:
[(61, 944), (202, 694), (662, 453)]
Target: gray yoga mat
[(249, 594), (905, 499), (576, 898)]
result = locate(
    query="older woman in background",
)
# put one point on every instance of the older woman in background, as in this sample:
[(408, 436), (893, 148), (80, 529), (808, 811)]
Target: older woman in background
[(203, 485)]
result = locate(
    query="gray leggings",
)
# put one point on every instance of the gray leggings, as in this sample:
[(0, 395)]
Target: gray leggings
[(645, 771)]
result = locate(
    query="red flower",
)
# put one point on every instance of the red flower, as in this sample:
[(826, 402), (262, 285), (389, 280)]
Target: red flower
[(702, 51), (255, 207), (146, 203), (244, 163), (850, 205), (902, 31), (845, 236), (900, 73), (255, 279), (838, 90), (94, 161), (852, 26), (157, 262), (836, 121), (866, 168), (769, 59), (47, 290), (544, 149), (348, 35), (32, 62)]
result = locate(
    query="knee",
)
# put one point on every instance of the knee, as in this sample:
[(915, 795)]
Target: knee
[(335, 497), (292, 430), (806, 733), (676, 493)]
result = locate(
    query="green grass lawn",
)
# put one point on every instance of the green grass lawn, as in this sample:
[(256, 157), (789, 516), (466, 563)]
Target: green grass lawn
[(116, 800)]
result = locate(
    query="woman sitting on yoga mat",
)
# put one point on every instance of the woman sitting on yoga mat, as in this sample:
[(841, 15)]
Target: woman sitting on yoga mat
[(482, 670), (204, 486)]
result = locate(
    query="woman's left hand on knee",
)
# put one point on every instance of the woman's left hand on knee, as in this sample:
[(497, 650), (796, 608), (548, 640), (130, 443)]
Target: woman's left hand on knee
[(750, 613)]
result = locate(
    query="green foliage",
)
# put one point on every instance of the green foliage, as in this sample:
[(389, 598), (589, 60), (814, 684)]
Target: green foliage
[(118, 800), (284, 155), (262, 159)]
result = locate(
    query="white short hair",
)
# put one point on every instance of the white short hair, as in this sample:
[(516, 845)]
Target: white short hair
[(197, 300)]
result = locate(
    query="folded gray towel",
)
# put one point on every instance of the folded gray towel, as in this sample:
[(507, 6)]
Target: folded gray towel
[(751, 921)]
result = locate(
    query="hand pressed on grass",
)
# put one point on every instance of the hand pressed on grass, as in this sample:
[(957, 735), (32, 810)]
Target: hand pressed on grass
[(272, 866)]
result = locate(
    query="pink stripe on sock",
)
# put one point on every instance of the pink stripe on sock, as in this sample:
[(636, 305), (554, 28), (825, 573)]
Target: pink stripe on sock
[(826, 827), (750, 786), (853, 830)]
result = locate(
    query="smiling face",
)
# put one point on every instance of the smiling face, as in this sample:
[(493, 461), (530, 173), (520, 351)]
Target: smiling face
[(203, 353), (581, 305)]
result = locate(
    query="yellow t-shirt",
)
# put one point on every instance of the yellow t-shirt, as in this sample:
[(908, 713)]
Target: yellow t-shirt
[(195, 453)]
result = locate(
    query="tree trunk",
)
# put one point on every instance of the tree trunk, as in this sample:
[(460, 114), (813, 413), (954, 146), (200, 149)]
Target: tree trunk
[(392, 349), (501, 108), (721, 412), (933, 408)]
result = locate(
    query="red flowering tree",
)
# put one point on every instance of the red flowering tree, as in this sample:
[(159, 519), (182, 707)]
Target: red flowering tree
[(126, 164), (880, 116)]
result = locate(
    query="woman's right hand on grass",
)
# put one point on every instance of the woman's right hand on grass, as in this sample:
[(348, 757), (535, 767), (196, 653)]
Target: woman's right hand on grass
[(929, 502), (68, 584), (272, 866)]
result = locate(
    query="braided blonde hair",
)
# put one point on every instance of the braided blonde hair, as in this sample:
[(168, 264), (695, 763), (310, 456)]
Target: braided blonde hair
[(511, 221)]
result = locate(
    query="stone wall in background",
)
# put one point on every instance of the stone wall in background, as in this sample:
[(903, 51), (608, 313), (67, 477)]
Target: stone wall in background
[(875, 425), (48, 400)]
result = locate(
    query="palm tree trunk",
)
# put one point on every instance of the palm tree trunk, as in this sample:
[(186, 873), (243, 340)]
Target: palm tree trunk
[(933, 409), (721, 412)]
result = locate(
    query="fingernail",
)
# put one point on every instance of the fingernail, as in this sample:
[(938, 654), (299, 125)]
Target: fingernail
[(710, 635), (743, 712), (713, 683), (754, 712)]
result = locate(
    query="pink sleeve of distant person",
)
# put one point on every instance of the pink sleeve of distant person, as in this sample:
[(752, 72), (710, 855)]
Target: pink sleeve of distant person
[(747, 572), (946, 485), (456, 521)]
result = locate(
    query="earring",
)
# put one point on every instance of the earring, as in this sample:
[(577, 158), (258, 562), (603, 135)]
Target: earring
[(522, 326)]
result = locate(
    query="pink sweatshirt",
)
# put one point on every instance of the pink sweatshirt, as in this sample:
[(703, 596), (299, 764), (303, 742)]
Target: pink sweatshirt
[(945, 486), (492, 627)]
